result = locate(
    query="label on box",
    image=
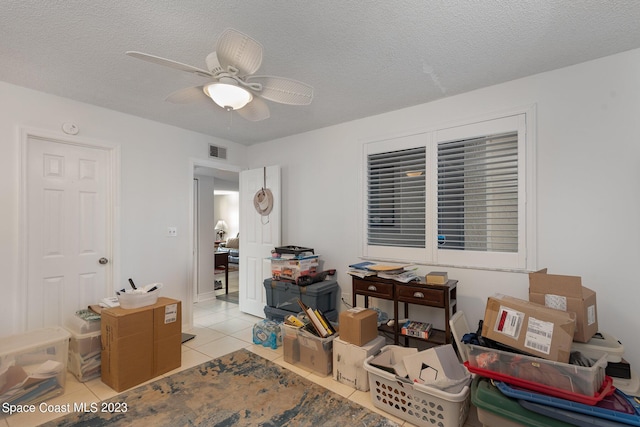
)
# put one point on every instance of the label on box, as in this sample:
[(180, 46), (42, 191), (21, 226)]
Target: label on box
[(591, 314), (555, 301), (509, 322), (539, 335), (356, 309), (170, 313)]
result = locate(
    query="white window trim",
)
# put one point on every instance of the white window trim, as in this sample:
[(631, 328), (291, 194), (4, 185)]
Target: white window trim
[(524, 260)]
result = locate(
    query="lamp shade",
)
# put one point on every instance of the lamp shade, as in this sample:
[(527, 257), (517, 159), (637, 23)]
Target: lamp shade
[(228, 96), (221, 225)]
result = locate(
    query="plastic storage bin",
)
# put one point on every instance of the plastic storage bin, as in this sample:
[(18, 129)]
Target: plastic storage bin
[(625, 412), (278, 314), (497, 410), (284, 295), (601, 343), (78, 325), (84, 348), (419, 404), (310, 352), (36, 366), (578, 383), (129, 300)]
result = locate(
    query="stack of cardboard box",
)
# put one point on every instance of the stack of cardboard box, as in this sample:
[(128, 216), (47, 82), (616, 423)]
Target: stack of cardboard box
[(358, 340), (559, 311), (140, 344)]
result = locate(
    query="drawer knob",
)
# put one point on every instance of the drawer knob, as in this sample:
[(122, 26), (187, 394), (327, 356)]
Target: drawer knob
[(418, 295), (372, 288)]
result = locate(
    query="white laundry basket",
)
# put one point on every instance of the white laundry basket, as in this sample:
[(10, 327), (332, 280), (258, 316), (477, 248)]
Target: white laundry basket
[(419, 404)]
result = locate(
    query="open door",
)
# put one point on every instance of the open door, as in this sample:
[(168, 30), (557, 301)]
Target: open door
[(259, 234)]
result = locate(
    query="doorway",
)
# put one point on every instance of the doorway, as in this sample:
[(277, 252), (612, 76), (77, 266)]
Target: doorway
[(208, 178)]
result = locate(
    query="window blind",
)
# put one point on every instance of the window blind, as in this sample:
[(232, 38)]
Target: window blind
[(478, 193), (396, 198)]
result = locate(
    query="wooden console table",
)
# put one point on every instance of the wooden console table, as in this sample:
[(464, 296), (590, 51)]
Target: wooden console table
[(418, 293), (222, 260)]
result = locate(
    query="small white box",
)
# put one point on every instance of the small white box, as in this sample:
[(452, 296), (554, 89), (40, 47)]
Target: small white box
[(348, 360)]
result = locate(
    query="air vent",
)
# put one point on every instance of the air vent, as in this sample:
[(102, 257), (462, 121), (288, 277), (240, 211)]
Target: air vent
[(217, 152)]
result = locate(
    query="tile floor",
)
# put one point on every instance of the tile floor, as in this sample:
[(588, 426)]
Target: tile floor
[(220, 328)]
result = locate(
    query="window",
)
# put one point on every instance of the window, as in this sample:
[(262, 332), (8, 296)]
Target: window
[(456, 196), (396, 187)]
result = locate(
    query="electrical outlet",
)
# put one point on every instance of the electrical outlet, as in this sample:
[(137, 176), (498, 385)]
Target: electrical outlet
[(172, 231)]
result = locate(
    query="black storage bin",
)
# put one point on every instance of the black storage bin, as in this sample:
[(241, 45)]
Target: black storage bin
[(284, 295)]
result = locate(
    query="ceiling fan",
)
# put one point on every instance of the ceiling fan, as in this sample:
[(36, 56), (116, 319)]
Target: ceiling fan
[(234, 87)]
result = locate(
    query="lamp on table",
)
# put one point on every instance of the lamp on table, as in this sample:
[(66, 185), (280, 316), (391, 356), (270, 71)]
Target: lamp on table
[(221, 228)]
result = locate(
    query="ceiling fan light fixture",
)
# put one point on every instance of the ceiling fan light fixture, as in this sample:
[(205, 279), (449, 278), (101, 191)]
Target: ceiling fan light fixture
[(228, 96)]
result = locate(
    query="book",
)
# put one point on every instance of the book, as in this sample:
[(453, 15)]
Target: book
[(314, 320), (325, 322), (361, 273), (437, 278), (416, 329)]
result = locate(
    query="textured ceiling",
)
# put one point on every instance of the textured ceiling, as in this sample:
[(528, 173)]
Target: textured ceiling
[(362, 57)]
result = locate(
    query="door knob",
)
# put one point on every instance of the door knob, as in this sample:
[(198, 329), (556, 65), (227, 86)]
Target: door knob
[(103, 260)]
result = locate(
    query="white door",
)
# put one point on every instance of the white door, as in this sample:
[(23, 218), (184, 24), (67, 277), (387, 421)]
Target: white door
[(67, 229), (258, 236)]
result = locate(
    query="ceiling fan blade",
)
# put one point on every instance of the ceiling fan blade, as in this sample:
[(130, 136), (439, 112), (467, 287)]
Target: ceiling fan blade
[(255, 111), (169, 63), (187, 95), (283, 90), (240, 51)]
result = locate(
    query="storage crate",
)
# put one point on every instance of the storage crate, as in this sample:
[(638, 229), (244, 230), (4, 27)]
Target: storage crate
[(278, 314), (80, 326), (578, 383), (84, 347), (601, 343), (497, 410), (617, 407), (316, 354), (84, 355), (36, 363), (419, 404), (284, 295)]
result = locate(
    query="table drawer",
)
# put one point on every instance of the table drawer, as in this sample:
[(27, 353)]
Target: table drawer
[(373, 289), (420, 295)]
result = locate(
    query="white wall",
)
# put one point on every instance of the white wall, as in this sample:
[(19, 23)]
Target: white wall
[(588, 174), (206, 237), (156, 168), (227, 207)]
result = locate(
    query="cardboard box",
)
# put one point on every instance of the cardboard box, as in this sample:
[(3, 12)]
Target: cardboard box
[(566, 293), (358, 325), (529, 327), (437, 278), (140, 344), (348, 361), (316, 354), (291, 269)]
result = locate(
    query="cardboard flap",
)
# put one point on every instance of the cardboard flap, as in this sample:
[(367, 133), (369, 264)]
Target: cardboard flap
[(541, 282)]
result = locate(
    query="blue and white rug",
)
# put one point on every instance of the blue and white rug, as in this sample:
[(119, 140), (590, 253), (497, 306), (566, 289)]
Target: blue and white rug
[(239, 389)]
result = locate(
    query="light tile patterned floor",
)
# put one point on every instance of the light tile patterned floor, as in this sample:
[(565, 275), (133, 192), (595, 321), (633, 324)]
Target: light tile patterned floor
[(220, 328)]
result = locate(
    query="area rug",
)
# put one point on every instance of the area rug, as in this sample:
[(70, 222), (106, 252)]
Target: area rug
[(239, 389), (232, 297)]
